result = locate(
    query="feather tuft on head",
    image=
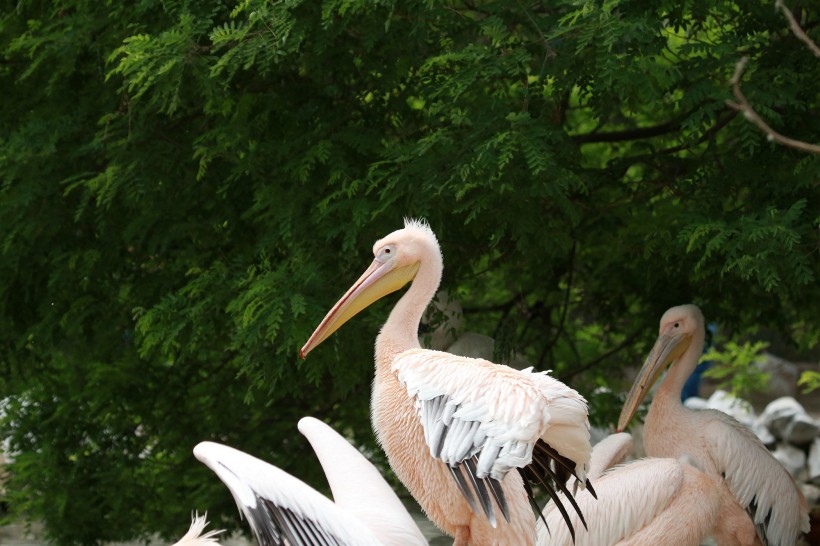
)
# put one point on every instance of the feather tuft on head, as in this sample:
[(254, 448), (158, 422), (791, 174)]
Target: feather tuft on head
[(421, 225)]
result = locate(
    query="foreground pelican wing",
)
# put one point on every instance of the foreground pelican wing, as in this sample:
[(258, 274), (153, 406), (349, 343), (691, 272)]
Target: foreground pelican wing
[(281, 509), (755, 483), (359, 488), (454, 427), (641, 503)]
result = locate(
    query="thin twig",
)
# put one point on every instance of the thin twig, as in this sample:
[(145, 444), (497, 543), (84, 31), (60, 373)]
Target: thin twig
[(742, 105), (797, 29), (562, 321), (630, 339)]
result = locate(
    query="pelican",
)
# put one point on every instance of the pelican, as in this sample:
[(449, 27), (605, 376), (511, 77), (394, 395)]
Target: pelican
[(454, 427), (282, 509), (640, 503), (195, 536), (761, 497)]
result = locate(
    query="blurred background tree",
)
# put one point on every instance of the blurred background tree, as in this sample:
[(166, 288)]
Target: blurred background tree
[(187, 186)]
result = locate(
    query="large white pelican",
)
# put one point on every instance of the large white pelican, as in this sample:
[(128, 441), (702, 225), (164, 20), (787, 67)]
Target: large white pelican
[(453, 427), (281, 509), (720, 446)]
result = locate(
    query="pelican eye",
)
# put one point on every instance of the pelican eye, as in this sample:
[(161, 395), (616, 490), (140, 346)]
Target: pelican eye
[(386, 253), (676, 325)]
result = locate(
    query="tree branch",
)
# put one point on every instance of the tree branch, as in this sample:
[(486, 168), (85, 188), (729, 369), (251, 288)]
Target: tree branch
[(796, 29), (629, 134), (630, 339), (742, 105)]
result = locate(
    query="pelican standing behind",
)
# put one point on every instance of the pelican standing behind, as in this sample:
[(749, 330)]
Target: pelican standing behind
[(762, 498), (453, 427), (284, 510)]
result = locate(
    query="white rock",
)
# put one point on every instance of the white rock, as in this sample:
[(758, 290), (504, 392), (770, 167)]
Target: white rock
[(596, 434), (446, 312), (696, 403), (814, 461), (779, 414), (762, 432), (475, 345), (736, 407), (802, 430), (811, 492), (782, 375), (790, 457)]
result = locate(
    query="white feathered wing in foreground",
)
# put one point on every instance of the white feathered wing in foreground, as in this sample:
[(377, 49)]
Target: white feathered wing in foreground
[(282, 508), (642, 503)]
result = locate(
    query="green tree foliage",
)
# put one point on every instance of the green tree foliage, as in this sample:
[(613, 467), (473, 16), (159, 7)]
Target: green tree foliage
[(188, 186)]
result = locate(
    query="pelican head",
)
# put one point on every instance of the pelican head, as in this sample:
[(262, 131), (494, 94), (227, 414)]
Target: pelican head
[(397, 260), (678, 326)]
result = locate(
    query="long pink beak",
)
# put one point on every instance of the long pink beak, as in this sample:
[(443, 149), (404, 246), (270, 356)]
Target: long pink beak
[(667, 348), (380, 279)]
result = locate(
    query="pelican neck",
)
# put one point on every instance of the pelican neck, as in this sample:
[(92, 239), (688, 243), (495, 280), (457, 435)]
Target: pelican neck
[(682, 368), (400, 331)]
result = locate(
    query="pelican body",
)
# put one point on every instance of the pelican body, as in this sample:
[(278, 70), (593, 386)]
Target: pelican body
[(453, 427), (760, 500), (282, 509)]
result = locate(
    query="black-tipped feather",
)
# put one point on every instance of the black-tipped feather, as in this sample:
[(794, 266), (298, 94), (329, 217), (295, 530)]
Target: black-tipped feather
[(564, 468), (545, 467), (563, 462), (533, 502), (500, 499), (268, 524), (551, 471), (277, 526), (481, 490), (539, 479), (269, 531), (464, 487)]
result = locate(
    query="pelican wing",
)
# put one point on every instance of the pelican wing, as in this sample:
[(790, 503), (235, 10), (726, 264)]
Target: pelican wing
[(758, 481), (359, 488), (485, 419), (641, 502), (281, 509)]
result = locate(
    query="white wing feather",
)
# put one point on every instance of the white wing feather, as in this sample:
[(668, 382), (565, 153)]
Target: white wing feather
[(754, 476), (513, 409), (251, 481)]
